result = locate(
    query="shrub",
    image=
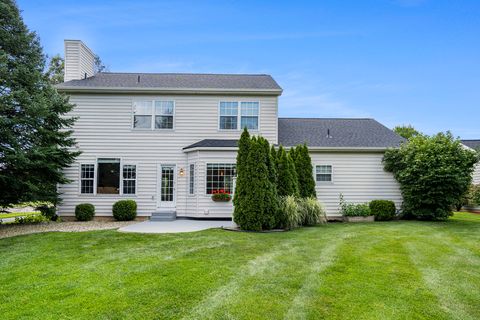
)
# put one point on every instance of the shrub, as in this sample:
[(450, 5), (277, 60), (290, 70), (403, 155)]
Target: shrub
[(84, 211), (354, 210), (48, 211), (290, 213), (434, 174), (37, 218), (382, 209), (474, 195), (125, 210), (312, 211)]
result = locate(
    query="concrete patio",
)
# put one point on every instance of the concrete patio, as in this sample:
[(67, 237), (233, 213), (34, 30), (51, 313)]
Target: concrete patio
[(175, 226)]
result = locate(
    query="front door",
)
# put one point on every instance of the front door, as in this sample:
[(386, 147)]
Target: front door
[(166, 186)]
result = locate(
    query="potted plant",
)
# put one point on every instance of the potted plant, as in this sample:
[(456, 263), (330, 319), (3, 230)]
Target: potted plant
[(355, 212), (221, 196)]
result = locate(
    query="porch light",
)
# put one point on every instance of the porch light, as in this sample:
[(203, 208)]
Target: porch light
[(182, 172)]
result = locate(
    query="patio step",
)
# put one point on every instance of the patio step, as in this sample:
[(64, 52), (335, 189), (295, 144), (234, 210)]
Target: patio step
[(164, 215)]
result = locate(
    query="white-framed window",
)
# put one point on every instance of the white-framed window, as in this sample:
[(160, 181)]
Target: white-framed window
[(153, 114), (129, 179), (164, 114), (87, 178), (191, 184), (234, 115), (142, 114), (108, 176), (323, 173), (220, 177)]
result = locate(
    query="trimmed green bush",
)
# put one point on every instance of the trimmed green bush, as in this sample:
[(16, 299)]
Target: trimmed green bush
[(290, 212), (312, 211), (124, 210), (383, 209), (84, 211)]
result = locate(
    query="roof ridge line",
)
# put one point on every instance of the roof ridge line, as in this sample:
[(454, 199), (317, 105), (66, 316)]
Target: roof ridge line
[(189, 73)]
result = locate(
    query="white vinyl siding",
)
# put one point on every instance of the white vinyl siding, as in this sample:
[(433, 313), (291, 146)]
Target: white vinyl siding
[(476, 174), (358, 176), (104, 130)]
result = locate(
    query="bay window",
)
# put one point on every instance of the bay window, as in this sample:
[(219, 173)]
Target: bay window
[(220, 178)]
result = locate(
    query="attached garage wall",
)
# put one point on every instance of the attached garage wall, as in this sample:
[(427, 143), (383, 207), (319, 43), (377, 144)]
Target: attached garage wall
[(358, 176)]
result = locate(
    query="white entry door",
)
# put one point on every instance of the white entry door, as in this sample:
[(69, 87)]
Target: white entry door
[(166, 186)]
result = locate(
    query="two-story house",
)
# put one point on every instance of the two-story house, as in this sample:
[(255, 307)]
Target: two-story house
[(169, 141)]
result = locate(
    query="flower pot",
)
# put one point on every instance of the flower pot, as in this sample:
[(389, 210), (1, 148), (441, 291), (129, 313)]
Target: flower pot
[(359, 219)]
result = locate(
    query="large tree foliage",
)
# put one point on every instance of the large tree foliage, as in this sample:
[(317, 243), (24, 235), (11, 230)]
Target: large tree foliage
[(406, 132), (56, 69), (33, 147), (434, 174), (304, 170)]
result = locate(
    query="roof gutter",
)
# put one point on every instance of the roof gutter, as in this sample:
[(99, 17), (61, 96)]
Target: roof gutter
[(83, 89)]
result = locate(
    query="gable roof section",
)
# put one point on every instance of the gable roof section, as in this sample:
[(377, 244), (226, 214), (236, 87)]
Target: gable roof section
[(472, 143), (336, 133), (174, 82)]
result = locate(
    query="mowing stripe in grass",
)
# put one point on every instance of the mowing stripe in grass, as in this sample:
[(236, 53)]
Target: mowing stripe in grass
[(254, 267), (297, 309)]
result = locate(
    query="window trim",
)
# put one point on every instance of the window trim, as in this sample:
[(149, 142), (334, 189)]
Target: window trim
[(152, 121), (206, 176), (239, 115), (191, 184), (331, 174), (120, 193)]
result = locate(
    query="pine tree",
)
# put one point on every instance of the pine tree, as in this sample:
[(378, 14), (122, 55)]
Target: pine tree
[(33, 147), (304, 169), (242, 180)]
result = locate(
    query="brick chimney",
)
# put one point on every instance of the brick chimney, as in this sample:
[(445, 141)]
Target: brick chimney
[(79, 61)]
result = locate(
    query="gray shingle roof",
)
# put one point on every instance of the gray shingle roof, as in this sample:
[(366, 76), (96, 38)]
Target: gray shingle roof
[(472, 143), (213, 143), (175, 81), (336, 133), (344, 133)]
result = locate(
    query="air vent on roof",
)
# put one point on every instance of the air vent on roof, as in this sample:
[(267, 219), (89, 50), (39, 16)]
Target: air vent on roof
[(85, 77), (328, 134), (138, 79)]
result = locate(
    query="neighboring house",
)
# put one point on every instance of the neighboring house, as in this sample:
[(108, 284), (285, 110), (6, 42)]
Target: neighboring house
[(169, 141), (475, 145)]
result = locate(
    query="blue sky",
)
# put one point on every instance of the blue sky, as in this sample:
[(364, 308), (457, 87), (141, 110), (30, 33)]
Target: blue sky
[(398, 61)]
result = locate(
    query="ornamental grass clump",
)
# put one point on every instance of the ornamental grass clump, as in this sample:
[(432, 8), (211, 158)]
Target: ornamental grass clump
[(312, 211), (291, 213)]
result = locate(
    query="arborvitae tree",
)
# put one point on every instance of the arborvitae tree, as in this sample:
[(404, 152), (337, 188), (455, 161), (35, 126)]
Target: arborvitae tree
[(286, 176), (293, 173), (242, 183), (33, 147), (271, 195), (304, 169)]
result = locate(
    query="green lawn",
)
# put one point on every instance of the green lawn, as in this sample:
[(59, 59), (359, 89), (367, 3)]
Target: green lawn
[(389, 270)]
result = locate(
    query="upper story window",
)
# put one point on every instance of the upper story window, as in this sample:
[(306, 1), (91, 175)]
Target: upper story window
[(323, 173), (157, 114), (238, 115)]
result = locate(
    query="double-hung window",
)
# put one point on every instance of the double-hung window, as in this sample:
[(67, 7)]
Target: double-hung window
[(87, 178), (153, 114), (111, 177), (239, 115), (228, 115), (220, 177), (164, 114), (142, 114), (323, 173)]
